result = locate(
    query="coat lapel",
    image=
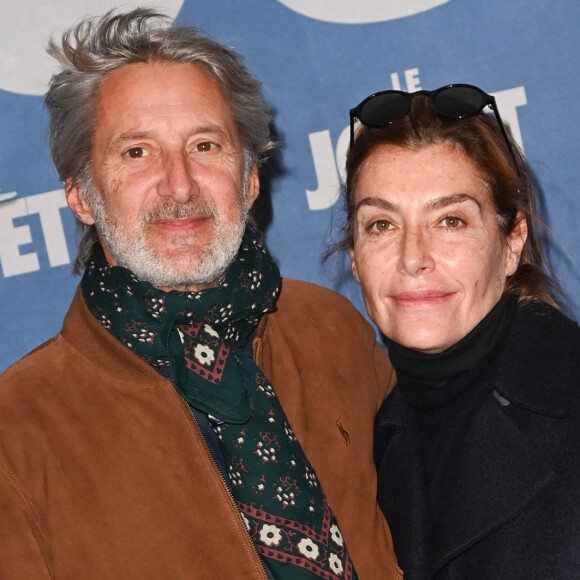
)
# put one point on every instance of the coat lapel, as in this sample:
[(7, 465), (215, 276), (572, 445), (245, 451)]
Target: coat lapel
[(500, 470), (401, 492), (499, 473)]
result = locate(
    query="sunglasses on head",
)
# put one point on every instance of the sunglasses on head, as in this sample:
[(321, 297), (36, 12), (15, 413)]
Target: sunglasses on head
[(454, 102)]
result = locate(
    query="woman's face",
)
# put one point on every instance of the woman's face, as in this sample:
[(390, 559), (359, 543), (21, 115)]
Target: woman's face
[(428, 251)]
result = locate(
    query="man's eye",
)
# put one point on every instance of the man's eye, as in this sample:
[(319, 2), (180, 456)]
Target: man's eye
[(135, 152), (205, 146)]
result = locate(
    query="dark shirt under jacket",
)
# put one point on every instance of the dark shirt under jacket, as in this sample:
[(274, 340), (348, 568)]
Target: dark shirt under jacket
[(511, 507)]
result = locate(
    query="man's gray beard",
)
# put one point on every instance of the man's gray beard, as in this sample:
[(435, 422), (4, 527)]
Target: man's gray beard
[(131, 250)]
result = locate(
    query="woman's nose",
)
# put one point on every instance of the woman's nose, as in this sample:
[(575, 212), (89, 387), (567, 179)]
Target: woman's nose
[(415, 255)]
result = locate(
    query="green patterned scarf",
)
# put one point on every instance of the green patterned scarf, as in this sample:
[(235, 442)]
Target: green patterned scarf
[(201, 336)]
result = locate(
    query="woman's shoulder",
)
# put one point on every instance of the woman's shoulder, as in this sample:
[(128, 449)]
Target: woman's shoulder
[(539, 327), (538, 366)]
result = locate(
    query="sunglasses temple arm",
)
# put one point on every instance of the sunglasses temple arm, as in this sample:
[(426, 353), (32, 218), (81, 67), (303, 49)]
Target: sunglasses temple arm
[(352, 117), (505, 134)]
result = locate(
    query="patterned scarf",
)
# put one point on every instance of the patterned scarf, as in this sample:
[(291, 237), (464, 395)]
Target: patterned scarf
[(198, 338)]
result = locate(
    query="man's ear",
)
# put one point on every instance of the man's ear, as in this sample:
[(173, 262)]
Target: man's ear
[(78, 203), (253, 185), (515, 243)]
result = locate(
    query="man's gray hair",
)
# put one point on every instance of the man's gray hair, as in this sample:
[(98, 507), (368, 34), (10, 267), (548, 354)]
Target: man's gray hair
[(98, 46)]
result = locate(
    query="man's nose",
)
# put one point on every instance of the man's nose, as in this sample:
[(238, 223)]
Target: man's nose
[(178, 180)]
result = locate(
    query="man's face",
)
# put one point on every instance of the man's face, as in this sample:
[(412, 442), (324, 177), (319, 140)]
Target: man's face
[(169, 195)]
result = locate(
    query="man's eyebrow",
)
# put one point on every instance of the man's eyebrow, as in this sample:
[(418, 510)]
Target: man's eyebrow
[(136, 135), (210, 129), (120, 140)]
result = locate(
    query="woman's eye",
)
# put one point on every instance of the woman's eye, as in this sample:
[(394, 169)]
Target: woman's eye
[(452, 222), (136, 152), (380, 226)]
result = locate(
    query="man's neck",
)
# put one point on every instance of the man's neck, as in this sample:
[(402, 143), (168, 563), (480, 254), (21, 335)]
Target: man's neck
[(190, 287)]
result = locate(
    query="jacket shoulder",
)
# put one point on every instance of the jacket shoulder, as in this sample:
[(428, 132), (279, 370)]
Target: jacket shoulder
[(316, 324), (317, 304), (539, 362), (38, 358)]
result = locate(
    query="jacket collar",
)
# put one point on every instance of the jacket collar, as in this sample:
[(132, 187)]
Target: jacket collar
[(85, 334), (498, 473)]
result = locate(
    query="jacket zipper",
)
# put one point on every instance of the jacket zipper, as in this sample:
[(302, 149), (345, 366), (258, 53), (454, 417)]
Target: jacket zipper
[(228, 490)]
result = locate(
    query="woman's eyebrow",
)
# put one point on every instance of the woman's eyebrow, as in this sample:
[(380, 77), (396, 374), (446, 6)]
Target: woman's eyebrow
[(447, 200), (377, 202), (437, 203)]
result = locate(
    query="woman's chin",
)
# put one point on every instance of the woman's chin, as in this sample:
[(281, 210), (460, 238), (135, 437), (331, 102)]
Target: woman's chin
[(425, 341)]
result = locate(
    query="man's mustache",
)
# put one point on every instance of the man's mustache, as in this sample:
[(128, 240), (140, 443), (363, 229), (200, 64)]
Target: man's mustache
[(173, 210)]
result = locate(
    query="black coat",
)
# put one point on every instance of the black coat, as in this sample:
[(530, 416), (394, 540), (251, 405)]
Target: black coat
[(513, 509)]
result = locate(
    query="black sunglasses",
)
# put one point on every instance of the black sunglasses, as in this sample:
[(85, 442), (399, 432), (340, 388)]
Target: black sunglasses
[(456, 102)]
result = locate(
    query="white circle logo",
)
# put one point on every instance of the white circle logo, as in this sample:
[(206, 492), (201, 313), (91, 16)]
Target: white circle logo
[(26, 27), (348, 12)]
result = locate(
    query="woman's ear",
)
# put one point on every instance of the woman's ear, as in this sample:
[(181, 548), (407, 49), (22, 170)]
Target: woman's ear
[(78, 203), (353, 265), (515, 243)]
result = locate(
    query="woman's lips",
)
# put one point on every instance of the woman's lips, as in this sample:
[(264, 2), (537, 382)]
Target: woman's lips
[(415, 298)]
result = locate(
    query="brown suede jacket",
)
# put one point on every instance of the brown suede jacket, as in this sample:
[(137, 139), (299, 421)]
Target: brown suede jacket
[(104, 473)]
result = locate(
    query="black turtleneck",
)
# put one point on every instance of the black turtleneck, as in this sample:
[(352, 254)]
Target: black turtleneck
[(443, 390)]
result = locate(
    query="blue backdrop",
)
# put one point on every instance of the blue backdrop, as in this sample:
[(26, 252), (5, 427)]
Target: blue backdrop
[(316, 60)]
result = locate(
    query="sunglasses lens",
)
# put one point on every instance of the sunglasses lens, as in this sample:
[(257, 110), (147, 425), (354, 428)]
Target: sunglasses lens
[(459, 102), (383, 109)]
